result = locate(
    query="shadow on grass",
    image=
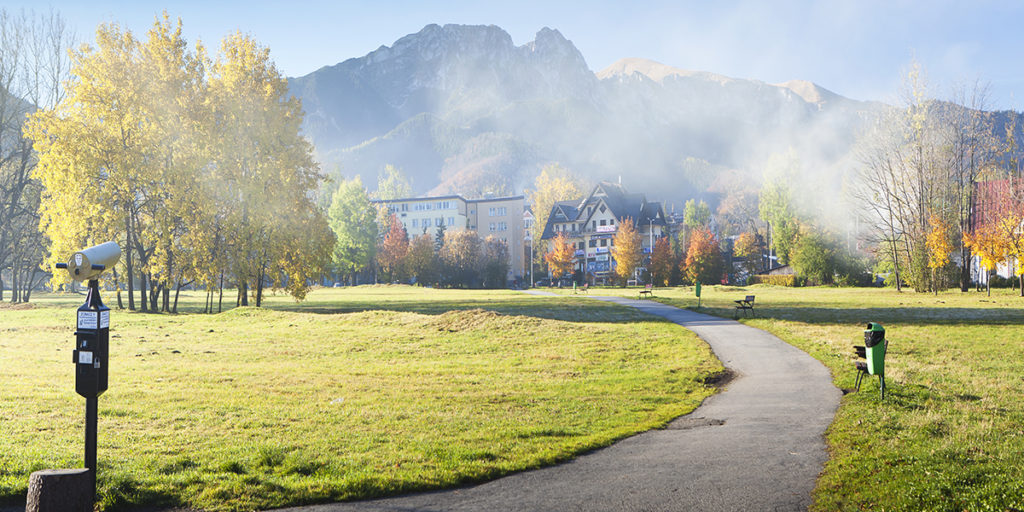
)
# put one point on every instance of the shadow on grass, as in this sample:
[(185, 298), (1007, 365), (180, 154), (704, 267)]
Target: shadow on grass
[(900, 316), (550, 308)]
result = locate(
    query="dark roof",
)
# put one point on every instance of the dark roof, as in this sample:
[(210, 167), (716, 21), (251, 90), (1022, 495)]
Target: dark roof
[(619, 201), (453, 196)]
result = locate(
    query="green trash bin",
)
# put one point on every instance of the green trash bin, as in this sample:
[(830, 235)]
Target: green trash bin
[(874, 343)]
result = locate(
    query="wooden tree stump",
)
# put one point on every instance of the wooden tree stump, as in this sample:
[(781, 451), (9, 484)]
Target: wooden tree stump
[(57, 490)]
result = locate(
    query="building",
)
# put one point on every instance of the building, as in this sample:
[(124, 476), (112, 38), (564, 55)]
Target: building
[(591, 224), (501, 217)]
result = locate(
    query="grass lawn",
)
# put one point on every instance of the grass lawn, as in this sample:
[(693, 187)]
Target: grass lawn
[(354, 393), (949, 435)]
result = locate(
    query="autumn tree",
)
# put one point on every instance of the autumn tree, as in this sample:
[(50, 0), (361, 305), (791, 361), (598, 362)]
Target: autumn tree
[(393, 250), (814, 257), (661, 262), (562, 255), (703, 259), (353, 220), (939, 248), (626, 249), (987, 243), (777, 205), (553, 184), (748, 247), (421, 261)]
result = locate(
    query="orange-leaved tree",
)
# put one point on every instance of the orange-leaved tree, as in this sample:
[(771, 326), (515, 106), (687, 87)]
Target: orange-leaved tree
[(703, 259), (561, 256), (393, 250), (626, 249), (661, 262)]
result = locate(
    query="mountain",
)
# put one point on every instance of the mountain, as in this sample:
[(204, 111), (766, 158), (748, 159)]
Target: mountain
[(464, 110)]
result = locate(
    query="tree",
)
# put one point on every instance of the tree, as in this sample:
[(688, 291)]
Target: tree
[(939, 247), (267, 172), (460, 258), (777, 207), (554, 184), (353, 221), (562, 255), (661, 262), (626, 249), (703, 259), (748, 247), (696, 215), (393, 250), (421, 261), (393, 184), (814, 258), (987, 243), (494, 262), (33, 63)]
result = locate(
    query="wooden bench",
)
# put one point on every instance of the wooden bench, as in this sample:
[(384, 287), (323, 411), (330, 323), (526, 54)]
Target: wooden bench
[(583, 289), (746, 304), (648, 291)]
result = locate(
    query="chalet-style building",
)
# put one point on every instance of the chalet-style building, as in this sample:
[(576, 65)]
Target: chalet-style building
[(591, 224)]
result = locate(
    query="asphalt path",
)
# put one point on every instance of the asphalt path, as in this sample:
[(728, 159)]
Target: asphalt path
[(759, 445)]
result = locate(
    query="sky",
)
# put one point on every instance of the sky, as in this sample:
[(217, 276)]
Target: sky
[(857, 48)]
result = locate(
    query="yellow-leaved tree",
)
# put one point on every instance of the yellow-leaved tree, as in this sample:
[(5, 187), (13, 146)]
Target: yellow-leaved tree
[(626, 249), (561, 256), (939, 247), (553, 184)]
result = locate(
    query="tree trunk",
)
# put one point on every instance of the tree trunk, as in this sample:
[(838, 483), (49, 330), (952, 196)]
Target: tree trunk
[(259, 287), (177, 292), (167, 298), (1, 286), (129, 268), (117, 286), (243, 293), (143, 301), (220, 301)]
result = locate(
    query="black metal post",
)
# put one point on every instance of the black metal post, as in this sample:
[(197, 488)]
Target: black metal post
[(90, 440)]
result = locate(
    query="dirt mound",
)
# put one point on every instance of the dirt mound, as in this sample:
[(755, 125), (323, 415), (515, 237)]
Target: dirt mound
[(21, 306), (461, 320)]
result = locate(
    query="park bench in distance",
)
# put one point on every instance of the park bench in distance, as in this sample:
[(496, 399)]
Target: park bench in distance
[(746, 304), (648, 291), (583, 289)]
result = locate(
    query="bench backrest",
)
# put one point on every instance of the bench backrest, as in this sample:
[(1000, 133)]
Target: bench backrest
[(648, 286), (750, 298)]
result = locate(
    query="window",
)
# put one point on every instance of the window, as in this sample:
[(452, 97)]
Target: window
[(580, 246), (497, 211), (604, 243), (593, 243), (595, 224), (611, 222), (427, 206), (502, 226), (415, 223), (574, 227), (405, 207), (451, 221), (438, 221), (603, 222), (492, 226), (490, 212)]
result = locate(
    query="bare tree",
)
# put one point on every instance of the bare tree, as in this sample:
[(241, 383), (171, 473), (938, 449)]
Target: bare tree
[(33, 65)]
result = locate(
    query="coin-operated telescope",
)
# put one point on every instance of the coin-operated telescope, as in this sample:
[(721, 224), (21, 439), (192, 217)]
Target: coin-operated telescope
[(92, 336)]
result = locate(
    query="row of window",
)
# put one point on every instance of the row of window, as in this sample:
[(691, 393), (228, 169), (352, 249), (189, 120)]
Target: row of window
[(416, 223), (439, 205), (594, 225), (499, 226), (497, 211)]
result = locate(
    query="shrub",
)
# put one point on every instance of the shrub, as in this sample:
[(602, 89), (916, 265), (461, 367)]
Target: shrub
[(788, 280)]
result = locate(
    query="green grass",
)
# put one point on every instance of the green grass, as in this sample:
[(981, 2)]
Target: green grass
[(355, 393), (949, 435)]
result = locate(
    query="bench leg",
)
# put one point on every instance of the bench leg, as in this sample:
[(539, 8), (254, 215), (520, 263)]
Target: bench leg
[(881, 380)]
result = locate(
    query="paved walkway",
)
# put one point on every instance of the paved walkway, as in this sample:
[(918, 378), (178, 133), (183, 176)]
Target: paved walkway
[(758, 446)]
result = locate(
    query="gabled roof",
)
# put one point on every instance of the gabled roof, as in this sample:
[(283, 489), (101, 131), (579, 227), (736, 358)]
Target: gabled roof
[(562, 211)]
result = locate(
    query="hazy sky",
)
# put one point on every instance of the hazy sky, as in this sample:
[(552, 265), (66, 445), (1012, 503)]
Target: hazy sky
[(857, 48)]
